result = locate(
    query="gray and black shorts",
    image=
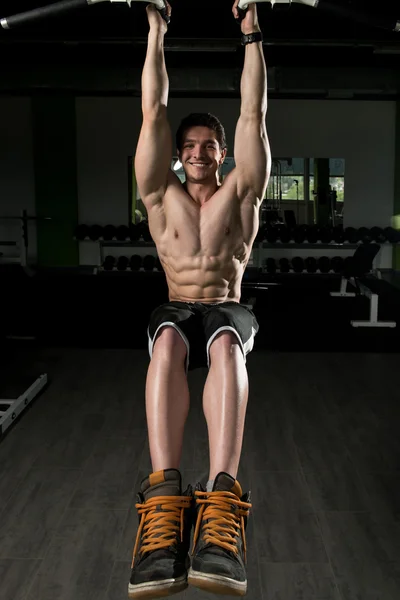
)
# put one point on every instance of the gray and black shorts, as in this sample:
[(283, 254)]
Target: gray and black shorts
[(198, 324)]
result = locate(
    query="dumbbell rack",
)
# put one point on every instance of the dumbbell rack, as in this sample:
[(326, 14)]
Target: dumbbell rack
[(15, 406), (119, 244), (258, 249)]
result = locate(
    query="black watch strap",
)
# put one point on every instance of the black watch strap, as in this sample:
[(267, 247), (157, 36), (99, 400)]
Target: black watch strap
[(252, 37)]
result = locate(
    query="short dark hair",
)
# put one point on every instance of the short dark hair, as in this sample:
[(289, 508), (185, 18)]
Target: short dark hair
[(201, 120)]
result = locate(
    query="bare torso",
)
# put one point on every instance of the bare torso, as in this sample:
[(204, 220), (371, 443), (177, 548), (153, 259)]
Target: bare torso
[(204, 250)]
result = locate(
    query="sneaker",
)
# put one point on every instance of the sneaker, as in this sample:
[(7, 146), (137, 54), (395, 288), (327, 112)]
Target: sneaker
[(219, 543), (161, 554)]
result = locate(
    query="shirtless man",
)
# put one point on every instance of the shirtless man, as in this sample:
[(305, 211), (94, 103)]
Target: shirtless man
[(204, 232)]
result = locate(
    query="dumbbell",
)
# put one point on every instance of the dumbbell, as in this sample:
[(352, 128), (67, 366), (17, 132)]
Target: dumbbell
[(338, 234), (378, 235), (122, 233), (149, 262), (337, 264), (135, 262), (109, 232), (392, 235), (326, 235), (272, 235), (144, 231), (109, 263), (298, 264), (299, 234), (312, 234), (134, 233), (82, 232), (284, 234), (284, 265), (123, 263), (324, 264), (95, 232), (311, 264), (364, 235), (271, 265), (348, 263), (261, 234), (351, 235)]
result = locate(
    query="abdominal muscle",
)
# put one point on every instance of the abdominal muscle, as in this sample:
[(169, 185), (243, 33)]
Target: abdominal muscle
[(203, 279), (203, 251)]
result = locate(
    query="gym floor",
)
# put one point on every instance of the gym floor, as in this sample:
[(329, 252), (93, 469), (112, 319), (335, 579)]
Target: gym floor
[(321, 452), (321, 456)]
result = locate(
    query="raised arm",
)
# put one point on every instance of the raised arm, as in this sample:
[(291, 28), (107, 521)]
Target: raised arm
[(252, 151), (154, 150)]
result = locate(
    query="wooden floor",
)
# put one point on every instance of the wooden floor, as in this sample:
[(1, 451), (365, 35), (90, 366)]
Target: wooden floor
[(321, 456)]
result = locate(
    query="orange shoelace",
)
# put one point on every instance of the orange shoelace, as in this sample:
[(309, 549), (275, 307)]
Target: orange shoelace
[(159, 529), (224, 524)]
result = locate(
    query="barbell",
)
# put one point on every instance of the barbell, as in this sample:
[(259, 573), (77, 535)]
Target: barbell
[(65, 6), (347, 12)]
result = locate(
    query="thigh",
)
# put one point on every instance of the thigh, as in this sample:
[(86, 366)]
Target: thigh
[(233, 317), (184, 318)]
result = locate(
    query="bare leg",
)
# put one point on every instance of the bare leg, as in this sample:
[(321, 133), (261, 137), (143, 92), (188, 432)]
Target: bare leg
[(167, 400), (224, 403)]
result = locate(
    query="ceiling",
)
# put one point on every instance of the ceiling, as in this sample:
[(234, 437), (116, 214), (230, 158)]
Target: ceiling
[(204, 36)]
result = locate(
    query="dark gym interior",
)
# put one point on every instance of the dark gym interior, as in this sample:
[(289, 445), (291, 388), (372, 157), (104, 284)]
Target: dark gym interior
[(80, 277)]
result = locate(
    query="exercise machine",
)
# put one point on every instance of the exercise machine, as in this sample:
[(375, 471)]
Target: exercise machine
[(10, 409), (23, 244), (356, 269)]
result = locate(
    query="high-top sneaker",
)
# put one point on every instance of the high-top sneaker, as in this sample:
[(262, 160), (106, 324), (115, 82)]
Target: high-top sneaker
[(219, 543), (160, 557)]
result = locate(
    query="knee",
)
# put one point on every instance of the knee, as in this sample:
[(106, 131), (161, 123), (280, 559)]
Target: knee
[(225, 343), (169, 343)]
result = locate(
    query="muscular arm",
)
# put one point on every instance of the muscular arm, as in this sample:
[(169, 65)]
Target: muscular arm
[(252, 152), (154, 150)]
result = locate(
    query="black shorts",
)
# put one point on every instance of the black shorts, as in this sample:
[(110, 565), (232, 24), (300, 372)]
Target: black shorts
[(199, 323)]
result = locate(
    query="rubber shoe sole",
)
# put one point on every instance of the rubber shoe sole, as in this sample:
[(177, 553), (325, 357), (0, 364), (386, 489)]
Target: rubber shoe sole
[(157, 589), (217, 584)]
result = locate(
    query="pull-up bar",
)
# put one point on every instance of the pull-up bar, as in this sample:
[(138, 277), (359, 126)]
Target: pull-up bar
[(330, 6)]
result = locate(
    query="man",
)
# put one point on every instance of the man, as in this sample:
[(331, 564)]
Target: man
[(204, 232)]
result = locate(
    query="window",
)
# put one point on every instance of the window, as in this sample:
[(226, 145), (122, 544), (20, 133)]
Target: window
[(176, 166), (337, 184), (287, 176)]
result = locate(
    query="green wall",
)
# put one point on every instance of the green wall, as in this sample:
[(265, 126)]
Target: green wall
[(56, 192), (396, 203)]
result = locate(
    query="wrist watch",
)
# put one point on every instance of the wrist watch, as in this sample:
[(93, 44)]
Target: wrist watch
[(250, 38)]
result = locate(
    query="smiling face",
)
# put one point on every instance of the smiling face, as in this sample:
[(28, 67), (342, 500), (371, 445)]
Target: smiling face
[(201, 155)]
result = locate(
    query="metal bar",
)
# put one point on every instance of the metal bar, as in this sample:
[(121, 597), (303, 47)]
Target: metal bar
[(65, 6), (373, 308), (306, 190), (17, 406), (347, 12), (243, 4), (37, 14)]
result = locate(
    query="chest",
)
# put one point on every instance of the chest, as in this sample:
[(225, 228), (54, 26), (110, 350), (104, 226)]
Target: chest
[(210, 228)]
